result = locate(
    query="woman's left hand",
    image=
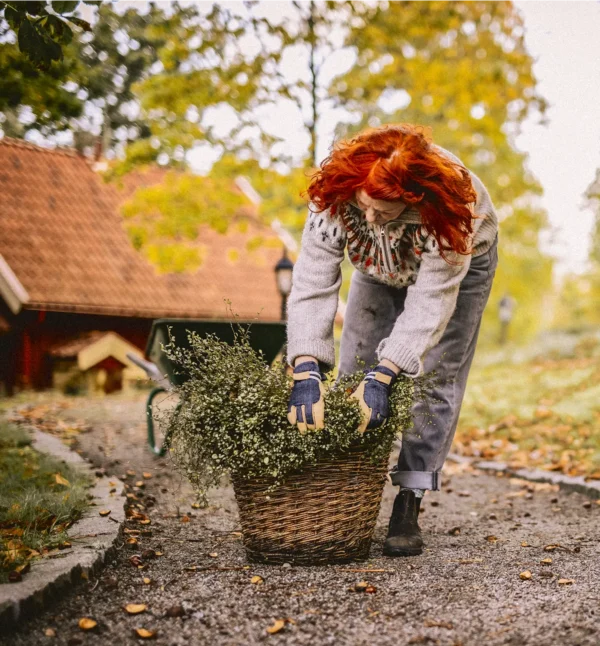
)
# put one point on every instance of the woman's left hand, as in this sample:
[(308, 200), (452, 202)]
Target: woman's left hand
[(373, 397)]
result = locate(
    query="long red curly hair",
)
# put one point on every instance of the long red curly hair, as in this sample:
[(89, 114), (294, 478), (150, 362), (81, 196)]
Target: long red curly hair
[(399, 162)]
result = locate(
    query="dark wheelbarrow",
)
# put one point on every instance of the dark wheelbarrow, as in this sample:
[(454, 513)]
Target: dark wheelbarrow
[(266, 337)]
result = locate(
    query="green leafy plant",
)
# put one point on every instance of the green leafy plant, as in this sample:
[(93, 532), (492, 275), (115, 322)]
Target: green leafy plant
[(232, 415)]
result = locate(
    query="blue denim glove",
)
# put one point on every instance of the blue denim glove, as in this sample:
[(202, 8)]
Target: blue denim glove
[(373, 397), (306, 407)]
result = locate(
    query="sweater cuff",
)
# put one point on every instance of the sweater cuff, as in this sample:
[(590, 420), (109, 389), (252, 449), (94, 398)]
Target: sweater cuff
[(406, 359), (321, 350)]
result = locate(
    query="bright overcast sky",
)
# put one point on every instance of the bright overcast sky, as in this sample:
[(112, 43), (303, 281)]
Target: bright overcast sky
[(564, 39)]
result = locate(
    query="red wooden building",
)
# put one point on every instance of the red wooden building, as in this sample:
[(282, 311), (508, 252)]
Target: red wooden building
[(67, 267)]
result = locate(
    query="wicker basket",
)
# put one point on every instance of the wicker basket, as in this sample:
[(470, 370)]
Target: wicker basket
[(325, 514)]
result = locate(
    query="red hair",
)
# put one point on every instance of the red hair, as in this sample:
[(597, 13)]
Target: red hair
[(399, 162)]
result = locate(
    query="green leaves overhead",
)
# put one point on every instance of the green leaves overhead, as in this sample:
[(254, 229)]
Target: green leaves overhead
[(43, 28)]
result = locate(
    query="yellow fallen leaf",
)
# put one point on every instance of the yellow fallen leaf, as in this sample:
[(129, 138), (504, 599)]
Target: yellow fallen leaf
[(147, 581), (213, 555), (257, 580), (146, 521), (135, 608), (566, 581), (547, 561), (145, 634), (195, 505), (61, 481), (525, 544), (525, 575), (276, 627), (87, 624), (147, 475)]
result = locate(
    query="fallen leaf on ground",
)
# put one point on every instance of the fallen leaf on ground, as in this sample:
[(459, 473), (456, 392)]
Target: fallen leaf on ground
[(185, 519), (50, 632), (195, 505), (429, 623), (370, 589), (491, 539), (104, 512), (257, 579), (551, 548), (148, 554), (360, 587), (276, 627), (213, 555), (547, 561), (147, 475), (566, 581), (144, 633), (87, 624), (526, 544), (61, 481), (146, 580), (135, 608), (146, 521), (525, 576)]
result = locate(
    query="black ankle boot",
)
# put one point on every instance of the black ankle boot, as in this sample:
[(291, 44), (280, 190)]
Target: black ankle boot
[(404, 534)]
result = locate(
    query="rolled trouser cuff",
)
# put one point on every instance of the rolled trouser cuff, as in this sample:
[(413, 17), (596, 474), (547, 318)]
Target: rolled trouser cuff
[(417, 479)]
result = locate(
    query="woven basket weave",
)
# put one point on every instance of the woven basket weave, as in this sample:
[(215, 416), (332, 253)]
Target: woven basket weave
[(325, 514)]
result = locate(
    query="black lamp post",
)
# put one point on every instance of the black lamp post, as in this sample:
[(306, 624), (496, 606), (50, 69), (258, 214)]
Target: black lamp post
[(283, 274)]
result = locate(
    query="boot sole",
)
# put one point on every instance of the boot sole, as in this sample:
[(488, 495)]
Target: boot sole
[(388, 551)]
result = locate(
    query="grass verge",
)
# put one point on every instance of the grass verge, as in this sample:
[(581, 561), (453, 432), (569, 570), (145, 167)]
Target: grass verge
[(40, 497), (544, 413)]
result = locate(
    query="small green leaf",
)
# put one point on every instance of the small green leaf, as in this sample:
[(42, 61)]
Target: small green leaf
[(65, 7), (13, 17), (84, 24)]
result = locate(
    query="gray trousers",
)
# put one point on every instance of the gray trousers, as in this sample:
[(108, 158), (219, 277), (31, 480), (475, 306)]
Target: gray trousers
[(371, 312)]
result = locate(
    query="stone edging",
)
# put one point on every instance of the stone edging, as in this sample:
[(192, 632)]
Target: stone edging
[(93, 540), (589, 488)]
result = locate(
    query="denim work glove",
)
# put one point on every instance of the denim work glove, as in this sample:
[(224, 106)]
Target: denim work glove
[(373, 397), (306, 407)]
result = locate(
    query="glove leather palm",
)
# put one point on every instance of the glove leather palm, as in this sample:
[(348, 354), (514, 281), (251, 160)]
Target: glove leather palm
[(373, 397), (306, 406)]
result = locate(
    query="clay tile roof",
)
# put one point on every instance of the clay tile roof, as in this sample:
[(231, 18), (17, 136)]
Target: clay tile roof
[(62, 236)]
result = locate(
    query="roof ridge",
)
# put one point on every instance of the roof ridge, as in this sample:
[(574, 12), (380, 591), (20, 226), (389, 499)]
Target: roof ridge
[(56, 150)]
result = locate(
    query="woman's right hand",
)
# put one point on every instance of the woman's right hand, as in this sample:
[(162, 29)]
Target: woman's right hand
[(306, 406)]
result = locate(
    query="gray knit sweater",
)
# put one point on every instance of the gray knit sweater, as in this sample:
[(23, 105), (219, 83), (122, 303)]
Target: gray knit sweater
[(400, 254)]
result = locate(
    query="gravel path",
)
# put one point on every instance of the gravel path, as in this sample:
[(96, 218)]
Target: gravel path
[(481, 533)]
